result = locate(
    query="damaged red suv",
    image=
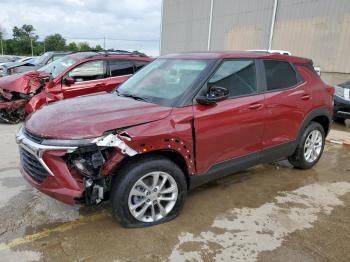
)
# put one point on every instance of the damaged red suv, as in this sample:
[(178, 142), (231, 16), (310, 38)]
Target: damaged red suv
[(181, 121), (76, 74)]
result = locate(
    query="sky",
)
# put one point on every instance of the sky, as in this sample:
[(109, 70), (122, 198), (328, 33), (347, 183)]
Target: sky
[(88, 19)]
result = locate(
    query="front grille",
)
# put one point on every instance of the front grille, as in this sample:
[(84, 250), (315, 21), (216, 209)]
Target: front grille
[(32, 166), (32, 137)]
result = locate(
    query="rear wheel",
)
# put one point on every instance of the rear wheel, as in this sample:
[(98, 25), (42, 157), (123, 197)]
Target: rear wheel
[(310, 147), (148, 191)]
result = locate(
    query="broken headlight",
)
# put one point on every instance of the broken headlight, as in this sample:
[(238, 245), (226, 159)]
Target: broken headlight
[(88, 163)]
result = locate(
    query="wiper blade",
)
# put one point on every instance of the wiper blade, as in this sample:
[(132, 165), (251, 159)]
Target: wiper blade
[(132, 96)]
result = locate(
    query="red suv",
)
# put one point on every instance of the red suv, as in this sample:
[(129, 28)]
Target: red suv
[(179, 122), (77, 74)]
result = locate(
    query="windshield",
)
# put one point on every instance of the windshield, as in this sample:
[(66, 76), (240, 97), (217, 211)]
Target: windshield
[(164, 80), (58, 66), (42, 58)]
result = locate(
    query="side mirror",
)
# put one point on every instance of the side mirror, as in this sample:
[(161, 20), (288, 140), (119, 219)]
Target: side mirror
[(215, 94), (69, 81)]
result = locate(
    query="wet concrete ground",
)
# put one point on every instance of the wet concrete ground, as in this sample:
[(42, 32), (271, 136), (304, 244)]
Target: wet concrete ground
[(268, 213)]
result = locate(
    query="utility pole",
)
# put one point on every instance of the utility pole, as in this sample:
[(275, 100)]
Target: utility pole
[(273, 20), (210, 24), (44, 47), (2, 47), (31, 45), (104, 43)]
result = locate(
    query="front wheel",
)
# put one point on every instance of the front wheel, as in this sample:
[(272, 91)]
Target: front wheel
[(148, 191), (310, 147)]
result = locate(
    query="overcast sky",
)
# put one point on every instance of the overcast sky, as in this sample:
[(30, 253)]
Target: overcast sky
[(118, 19)]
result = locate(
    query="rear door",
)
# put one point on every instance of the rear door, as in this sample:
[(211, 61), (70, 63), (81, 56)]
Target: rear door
[(232, 128), (119, 71), (288, 99), (90, 77)]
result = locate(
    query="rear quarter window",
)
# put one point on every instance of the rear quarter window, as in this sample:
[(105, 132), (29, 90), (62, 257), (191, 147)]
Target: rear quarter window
[(279, 75), (120, 68)]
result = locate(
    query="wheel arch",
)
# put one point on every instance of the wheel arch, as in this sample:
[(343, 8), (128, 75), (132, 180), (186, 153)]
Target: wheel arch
[(172, 155), (320, 115)]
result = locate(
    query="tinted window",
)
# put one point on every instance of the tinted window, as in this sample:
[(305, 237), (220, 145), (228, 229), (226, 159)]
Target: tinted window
[(139, 65), (88, 71), (120, 68), (238, 76), (279, 75)]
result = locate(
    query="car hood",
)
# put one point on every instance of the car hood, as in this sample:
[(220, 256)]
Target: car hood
[(91, 116), (17, 64), (22, 83)]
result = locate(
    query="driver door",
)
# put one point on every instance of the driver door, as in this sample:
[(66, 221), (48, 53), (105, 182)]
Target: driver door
[(90, 77), (233, 128)]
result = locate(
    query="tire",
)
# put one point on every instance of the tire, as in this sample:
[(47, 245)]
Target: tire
[(127, 181), (299, 158)]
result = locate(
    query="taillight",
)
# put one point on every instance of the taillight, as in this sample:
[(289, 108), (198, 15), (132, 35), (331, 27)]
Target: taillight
[(330, 90)]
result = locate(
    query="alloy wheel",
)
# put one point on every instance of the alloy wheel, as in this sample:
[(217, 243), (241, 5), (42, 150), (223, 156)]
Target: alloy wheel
[(153, 197), (313, 146)]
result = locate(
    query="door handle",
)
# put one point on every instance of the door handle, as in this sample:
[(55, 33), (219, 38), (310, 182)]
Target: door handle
[(255, 106), (306, 97)]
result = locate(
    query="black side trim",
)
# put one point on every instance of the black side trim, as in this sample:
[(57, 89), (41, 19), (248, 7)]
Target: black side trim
[(237, 164), (321, 111)]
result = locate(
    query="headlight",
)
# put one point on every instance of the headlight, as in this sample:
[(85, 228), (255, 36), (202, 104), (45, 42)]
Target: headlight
[(339, 91)]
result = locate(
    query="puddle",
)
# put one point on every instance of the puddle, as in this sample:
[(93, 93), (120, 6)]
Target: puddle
[(19, 256), (9, 189), (241, 234)]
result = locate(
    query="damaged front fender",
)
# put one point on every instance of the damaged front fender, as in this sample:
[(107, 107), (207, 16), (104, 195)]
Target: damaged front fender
[(113, 141)]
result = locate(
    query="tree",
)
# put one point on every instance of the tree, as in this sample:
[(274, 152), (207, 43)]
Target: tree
[(24, 33), (55, 43), (2, 32), (72, 47), (24, 38), (98, 48), (84, 46)]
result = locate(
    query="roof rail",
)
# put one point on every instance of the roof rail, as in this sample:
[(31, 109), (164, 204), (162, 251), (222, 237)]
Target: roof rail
[(113, 52)]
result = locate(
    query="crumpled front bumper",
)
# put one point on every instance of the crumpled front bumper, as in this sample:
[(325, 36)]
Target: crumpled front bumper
[(12, 104), (45, 169)]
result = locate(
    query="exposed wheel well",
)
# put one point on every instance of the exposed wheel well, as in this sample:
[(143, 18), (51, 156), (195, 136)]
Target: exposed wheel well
[(170, 154), (323, 121)]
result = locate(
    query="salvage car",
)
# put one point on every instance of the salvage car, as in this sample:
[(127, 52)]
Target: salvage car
[(20, 66), (77, 74), (179, 122), (342, 102)]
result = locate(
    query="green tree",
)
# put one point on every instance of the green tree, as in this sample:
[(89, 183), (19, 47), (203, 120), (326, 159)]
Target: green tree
[(84, 46), (55, 43), (2, 32), (23, 38), (98, 48), (72, 47)]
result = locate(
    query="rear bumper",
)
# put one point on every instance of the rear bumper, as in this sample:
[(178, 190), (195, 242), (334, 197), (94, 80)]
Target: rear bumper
[(341, 108)]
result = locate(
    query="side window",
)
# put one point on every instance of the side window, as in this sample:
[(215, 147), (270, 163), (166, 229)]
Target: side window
[(139, 65), (238, 76), (279, 75), (88, 71), (120, 68)]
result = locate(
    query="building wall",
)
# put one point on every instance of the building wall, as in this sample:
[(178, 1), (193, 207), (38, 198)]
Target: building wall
[(318, 29)]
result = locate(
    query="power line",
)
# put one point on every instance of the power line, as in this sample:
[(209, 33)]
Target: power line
[(101, 38), (107, 38)]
